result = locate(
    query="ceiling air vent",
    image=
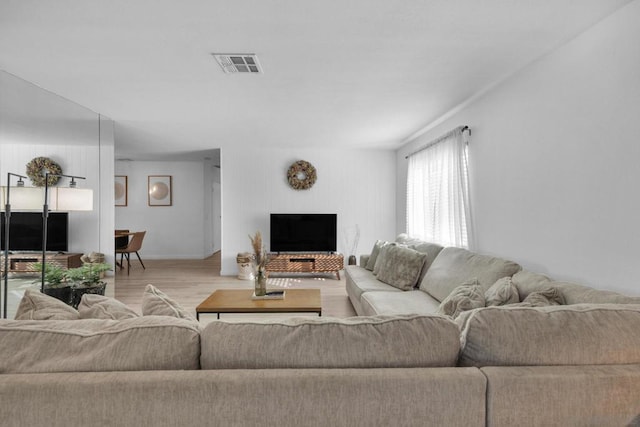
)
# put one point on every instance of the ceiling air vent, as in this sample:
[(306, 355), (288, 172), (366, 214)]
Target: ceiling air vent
[(238, 62)]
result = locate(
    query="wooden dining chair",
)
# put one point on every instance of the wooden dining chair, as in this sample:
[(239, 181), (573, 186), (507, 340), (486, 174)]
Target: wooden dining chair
[(122, 241), (135, 244)]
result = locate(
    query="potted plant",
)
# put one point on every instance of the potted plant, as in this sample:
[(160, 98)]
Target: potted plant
[(86, 279), (55, 283)]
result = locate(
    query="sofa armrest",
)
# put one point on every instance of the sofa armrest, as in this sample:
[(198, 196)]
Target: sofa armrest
[(363, 260), (573, 395)]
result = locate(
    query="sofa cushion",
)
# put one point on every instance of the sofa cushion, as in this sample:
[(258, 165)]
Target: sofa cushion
[(454, 266), (371, 261), (527, 282), (359, 280), (94, 306), (144, 343), (579, 294), (37, 306), (582, 334), (431, 249), (408, 302), (381, 256), (405, 239), (401, 267), (358, 342), (463, 298), (364, 259), (157, 303), (501, 293), (545, 297)]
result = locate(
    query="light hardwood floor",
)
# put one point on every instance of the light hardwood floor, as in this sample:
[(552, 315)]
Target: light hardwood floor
[(189, 282)]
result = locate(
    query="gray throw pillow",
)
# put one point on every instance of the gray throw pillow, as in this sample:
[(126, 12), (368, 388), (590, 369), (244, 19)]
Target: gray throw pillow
[(157, 303), (465, 297), (37, 306), (371, 262), (100, 307), (381, 255), (401, 267), (501, 293)]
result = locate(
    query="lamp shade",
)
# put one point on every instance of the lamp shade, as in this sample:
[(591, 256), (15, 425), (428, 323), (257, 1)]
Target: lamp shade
[(71, 199), (23, 198)]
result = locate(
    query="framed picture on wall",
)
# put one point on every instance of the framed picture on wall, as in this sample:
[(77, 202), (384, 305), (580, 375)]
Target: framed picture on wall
[(121, 190), (160, 192)]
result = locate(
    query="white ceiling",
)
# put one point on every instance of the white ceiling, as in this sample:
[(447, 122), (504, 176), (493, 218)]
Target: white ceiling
[(337, 73)]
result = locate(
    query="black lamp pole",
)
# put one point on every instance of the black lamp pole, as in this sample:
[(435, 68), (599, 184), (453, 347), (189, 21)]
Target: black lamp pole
[(45, 217), (7, 222)]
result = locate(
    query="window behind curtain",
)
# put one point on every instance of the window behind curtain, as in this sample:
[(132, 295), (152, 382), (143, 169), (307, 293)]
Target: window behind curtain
[(438, 192)]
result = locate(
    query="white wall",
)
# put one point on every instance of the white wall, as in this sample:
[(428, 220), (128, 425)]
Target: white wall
[(35, 122), (554, 160), (105, 196), (358, 185), (172, 231), (212, 207)]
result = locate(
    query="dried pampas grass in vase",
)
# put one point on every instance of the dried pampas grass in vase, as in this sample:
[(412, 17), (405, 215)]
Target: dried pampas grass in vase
[(260, 264)]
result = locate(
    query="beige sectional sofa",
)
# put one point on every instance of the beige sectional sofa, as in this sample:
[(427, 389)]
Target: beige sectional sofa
[(162, 371), (571, 364), (555, 366), (568, 365), (574, 365), (447, 268)]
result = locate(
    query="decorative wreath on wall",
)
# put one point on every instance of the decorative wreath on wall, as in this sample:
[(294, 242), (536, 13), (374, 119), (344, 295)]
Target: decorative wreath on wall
[(39, 166), (301, 175)]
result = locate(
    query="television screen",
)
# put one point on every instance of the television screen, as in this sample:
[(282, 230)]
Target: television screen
[(26, 231), (303, 232)]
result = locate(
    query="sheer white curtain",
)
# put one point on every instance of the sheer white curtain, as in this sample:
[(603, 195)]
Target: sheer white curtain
[(438, 192)]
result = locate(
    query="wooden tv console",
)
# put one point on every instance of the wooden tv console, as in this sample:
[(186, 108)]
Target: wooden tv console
[(26, 262), (306, 263)]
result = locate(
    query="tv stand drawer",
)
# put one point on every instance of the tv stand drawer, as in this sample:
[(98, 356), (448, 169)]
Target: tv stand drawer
[(302, 260), (26, 263)]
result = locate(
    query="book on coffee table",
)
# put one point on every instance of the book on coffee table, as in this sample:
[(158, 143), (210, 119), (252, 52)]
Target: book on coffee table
[(269, 295)]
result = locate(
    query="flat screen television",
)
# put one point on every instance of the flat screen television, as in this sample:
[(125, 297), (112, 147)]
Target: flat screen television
[(303, 232), (25, 233)]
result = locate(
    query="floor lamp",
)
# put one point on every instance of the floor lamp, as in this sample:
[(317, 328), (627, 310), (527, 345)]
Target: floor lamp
[(63, 199), (25, 198), (7, 222)]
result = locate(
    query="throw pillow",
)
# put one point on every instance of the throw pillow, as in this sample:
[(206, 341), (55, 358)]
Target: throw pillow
[(100, 307), (157, 303), (502, 292), (37, 306), (371, 262), (381, 255), (548, 296), (465, 297), (401, 267)]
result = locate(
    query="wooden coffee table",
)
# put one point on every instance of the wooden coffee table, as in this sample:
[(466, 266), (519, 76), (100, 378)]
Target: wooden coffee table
[(239, 301)]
